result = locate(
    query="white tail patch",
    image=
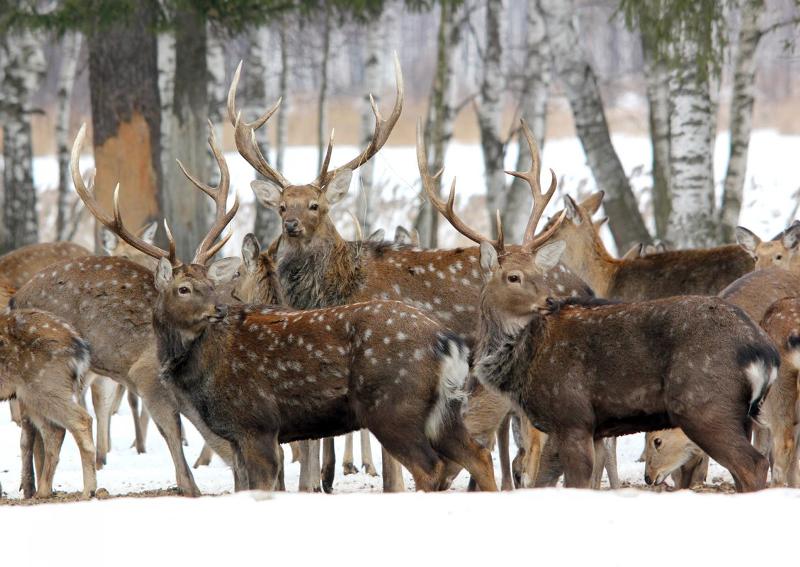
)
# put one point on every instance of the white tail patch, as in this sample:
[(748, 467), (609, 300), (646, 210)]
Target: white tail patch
[(761, 376), (453, 373), (79, 363)]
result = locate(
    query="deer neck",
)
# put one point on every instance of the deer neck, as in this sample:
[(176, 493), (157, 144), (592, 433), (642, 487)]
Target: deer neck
[(180, 356), (595, 266), (320, 272)]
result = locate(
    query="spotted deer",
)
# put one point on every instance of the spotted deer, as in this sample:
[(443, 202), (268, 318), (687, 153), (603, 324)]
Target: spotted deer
[(108, 299), (650, 276), (42, 364), (583, 369)]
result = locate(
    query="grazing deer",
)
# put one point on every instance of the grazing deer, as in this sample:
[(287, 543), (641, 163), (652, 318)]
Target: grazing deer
[(110, 303), (670, 453), (586, 369), (665, 274), (42, 363)]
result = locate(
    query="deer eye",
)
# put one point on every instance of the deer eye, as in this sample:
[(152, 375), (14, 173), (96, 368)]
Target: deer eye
[(313, 206), (282, 208), (184, 290), (513, 278), (779, 257), (657, 442)]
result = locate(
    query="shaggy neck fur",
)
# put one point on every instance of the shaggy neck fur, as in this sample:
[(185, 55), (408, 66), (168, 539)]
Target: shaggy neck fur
[(179, 357)]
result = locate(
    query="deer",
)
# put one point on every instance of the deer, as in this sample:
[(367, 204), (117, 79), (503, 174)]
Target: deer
[(651, 276), (582, 369), (42, 363), (121, 294), (670, 453), (780, 252)]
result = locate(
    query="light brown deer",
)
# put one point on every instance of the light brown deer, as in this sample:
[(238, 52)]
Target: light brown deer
[(110, 302), (670, 453), (780, 252), (42, 363)]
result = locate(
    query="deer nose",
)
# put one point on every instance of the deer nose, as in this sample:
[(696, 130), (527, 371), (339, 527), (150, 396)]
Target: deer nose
[(220, 312), (647, 479), (291, 225)]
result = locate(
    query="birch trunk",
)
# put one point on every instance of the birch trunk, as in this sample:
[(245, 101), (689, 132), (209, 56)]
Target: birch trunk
[(22, 67), (282, 121), (656, 76), (490, 110), (441, 112), (580, 85), (322, 100), (217, 92), (533, 109), (691, 221), (741, 116), (70, 50)]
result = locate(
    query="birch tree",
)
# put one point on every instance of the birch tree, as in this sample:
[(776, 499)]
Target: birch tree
[(324, 87), (282, 121), (533, 109), (70, 50), (580, 86), (741, 116), (22, 66)]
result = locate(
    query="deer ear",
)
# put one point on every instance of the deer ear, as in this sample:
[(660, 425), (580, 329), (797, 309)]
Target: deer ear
[(592, 203), (571, 207), (635, 251), (338, 186), (268, 193), (489, 261), (222, 271), (149, 232), (747, 240), (377, 236), (401, 235), (791, 237), (163, 275), (251, 250), (109, 240), (548, 255)]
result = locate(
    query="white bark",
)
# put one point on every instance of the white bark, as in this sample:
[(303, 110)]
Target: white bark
[(22, 66), (166, 86), (741, 116), (70, 50), (533, 109), (322, 100), (490, 109), (580, 86), (691, 220), (282, 121)]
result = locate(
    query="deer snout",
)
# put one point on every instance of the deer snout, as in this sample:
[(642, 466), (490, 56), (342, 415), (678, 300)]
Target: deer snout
[(292, 227), (647, 479), (220, 312)]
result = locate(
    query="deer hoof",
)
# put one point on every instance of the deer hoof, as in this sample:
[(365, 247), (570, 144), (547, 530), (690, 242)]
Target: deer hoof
[(349, 468), (370, 470)]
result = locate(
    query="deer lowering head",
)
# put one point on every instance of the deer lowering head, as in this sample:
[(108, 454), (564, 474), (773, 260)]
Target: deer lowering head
[(780, 252), (304, 208)]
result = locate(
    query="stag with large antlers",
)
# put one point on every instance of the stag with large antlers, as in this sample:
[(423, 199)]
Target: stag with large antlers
[(109, 301)]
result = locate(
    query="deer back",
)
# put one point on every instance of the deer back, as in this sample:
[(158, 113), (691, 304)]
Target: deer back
[(18, 266), (755, 292)]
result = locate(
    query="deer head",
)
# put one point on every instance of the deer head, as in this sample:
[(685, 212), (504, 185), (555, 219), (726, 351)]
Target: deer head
[(117, 247), (304, 208), (257, 278), (781, 252)]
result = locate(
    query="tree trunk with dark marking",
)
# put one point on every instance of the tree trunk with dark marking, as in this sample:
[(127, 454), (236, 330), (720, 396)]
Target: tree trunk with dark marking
[(70, 50)]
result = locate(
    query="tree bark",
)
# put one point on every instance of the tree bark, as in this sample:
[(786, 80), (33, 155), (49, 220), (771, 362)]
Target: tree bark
[(22, 66), (533, 109), (217, 92), (322, 100), (580, 85), (185, 206), (70, 50), (691, 221), (490, 110), (441, 112), (741, 116), (282, 123), (126, 115), (656, 76)]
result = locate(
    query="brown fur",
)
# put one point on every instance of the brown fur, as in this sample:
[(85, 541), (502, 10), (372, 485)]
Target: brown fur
[(20, 265)]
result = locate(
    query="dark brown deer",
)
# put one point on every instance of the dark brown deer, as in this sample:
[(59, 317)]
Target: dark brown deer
[(109, 301), (585, 369), (664, 274), (42, 363)]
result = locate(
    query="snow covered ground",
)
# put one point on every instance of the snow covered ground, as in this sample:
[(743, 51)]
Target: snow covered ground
[(555, 525)]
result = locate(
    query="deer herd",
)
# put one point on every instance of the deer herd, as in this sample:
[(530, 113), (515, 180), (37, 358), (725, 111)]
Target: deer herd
[(437, 353)]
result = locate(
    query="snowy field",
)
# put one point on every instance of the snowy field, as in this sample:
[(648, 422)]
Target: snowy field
[(558, 526)]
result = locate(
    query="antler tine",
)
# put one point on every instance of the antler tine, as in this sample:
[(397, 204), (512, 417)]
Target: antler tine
[(207, 248), (359, 232), (531, 177), (447, 210), (245, 135), (381, 133), (114, 224), (323, 170)]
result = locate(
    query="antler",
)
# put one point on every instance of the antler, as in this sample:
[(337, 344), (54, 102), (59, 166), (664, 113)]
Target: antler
[(540, 200), (245, 135), (207, 248), (379, 136), (114, 224), (447, 209)]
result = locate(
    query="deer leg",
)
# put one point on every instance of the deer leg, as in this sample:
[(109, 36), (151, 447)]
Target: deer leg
[(52, 438), (366, 453), (102, 404), (309, 466), (295, 447), (119, 393), (328, 464), (240, 477), (611, 462), (38, 453), (139, 441), (281, 482), (392, 473), (576, 451), (535, 442), (600, 458), (347, 461), (26, 441), (79, 423), (503, 447), (457, 445), (781, 451), (204, 459), (15, 413)]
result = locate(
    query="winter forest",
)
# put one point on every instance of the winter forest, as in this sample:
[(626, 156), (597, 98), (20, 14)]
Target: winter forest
[(564, 254)]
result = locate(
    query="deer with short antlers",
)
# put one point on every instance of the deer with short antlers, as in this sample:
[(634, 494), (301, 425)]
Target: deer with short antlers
[(109, 301), (318, 268)]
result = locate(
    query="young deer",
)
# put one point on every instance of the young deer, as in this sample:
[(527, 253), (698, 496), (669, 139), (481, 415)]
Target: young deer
[(780, 252), (42, 363), (669, 453), (110, 302), (587, 369), (665, 274)]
